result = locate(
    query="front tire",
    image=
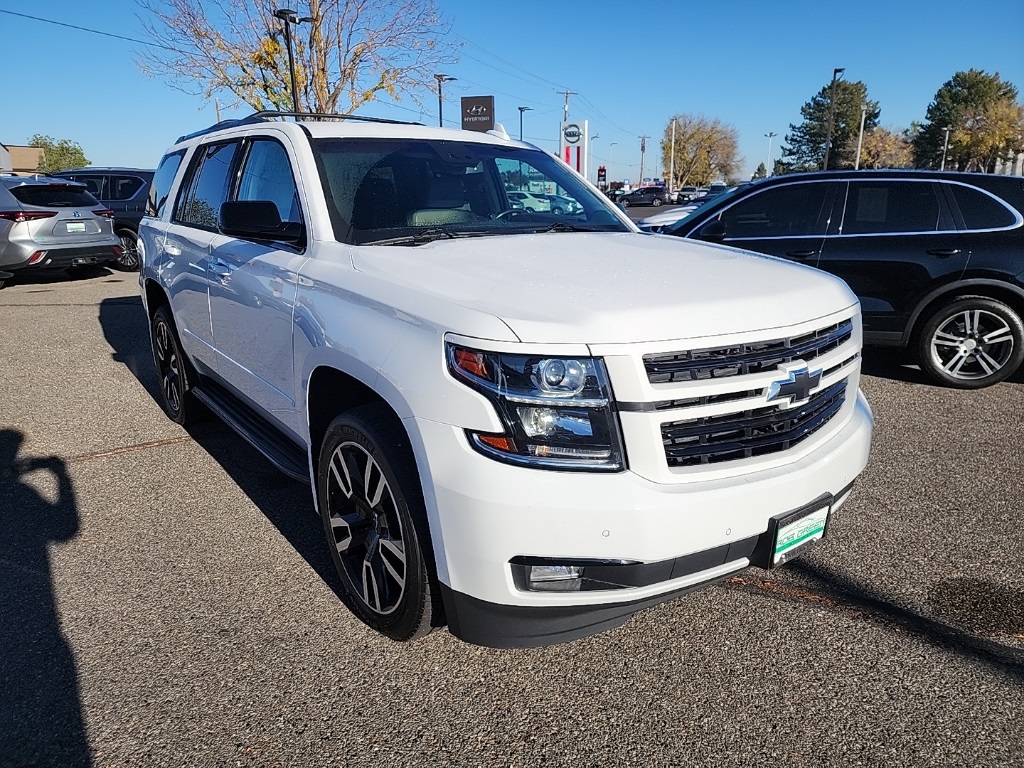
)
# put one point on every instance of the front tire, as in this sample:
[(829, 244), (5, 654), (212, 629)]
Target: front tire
[(372, 508), (177, 376), (971, 343), (656, 202)]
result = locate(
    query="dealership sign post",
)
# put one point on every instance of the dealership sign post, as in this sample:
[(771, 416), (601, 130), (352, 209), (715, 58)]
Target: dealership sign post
[(477, 113), (575, 145)]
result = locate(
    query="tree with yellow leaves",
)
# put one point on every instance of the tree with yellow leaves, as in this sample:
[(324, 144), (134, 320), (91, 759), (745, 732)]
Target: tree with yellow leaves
[(347, 52)]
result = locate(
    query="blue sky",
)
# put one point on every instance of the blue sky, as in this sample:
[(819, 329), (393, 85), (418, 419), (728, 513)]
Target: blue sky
[(751, 64)]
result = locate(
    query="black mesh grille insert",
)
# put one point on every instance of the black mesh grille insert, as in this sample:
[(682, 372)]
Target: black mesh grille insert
[(742, 359), (754, 432)]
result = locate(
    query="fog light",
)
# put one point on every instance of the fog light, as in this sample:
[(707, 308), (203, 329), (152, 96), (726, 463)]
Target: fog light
[(37, 257), (555, 578)]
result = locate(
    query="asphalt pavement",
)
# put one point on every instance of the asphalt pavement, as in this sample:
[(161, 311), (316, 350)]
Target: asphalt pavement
[(167, 599)]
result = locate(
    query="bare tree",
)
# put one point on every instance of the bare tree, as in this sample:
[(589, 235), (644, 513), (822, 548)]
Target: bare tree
[(705, 149), (881, 148), (349, 54)]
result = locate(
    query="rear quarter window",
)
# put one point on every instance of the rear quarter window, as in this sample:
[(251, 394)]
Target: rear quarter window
[(54, 196), (981, 210), (162, 180)]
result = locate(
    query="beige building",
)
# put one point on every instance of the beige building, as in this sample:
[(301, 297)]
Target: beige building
[(19, 159)]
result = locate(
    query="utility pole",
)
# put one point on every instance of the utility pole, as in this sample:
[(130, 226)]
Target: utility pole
[(643, 150), (945, 146), (836, 74), (565, 108), (672, 158), (770, 135)]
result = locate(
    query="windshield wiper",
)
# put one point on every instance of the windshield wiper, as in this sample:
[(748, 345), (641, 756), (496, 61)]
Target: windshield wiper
[(561, 226), (419, 238)]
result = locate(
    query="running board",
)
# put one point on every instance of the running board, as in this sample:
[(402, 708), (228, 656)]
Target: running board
[(281, 451)]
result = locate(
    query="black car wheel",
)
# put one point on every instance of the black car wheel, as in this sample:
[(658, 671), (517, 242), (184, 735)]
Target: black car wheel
[(656, 202), (176, 374), (372, 508), (972, 343), (557, 211), (128, 260)]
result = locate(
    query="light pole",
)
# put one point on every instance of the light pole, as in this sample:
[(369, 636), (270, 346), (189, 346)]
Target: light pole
[(611, 154), (860, 136), (441, 79), (289, 17), (768, 166), (672, 158), (945, 146), (836, 74), (590, 151), (521, 110), (643, 151)]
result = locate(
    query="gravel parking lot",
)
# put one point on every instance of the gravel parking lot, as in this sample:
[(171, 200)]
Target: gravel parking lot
[(167, 599)]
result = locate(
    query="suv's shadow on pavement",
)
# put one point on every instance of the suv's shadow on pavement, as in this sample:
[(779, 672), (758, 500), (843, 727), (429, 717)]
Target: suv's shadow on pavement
[(894, 364), (41, 720), (288, 505)]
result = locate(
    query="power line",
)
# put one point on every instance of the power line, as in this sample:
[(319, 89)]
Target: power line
[(94, 31)]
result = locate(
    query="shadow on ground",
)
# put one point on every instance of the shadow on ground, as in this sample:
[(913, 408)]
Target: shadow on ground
[(41, 721), (894, 364), (288, 505)]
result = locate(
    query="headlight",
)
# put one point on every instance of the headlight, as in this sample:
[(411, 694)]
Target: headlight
[(557, 411)]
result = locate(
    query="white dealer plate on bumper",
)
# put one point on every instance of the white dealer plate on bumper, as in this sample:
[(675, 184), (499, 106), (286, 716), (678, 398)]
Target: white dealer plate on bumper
[(798, 530)]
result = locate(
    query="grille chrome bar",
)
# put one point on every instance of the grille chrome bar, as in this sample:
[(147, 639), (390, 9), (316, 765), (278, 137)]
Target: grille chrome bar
[(743, 359), (754, 432)]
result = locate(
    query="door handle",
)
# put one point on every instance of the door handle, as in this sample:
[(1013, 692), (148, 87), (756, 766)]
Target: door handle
[(171, 249), (943, 252), (221, 270), (801, 254)]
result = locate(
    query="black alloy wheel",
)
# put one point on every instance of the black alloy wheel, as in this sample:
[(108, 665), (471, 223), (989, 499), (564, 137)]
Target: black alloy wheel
[(372, 508), (176, 374), (656, 202), (128, 260), (972, 343), (557, 211)]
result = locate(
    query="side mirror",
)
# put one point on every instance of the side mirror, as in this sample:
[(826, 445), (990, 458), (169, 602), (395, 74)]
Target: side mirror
[(713, 231), (257, 220)]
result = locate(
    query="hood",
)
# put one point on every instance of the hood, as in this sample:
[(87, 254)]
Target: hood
[(610, 288)]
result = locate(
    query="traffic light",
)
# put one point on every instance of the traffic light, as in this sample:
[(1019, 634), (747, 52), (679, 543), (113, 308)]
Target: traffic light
[(602, 174)]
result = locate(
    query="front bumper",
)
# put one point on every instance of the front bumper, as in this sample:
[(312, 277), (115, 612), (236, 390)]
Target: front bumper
[(485, 514)]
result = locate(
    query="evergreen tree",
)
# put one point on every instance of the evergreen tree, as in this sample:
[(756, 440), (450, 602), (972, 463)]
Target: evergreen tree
[(804, 147)]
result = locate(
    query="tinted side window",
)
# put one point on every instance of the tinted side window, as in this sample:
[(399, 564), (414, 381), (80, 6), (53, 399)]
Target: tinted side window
[(981, 211), (891, 206), (268, 176), (162, 180), (124, 187), (210, 186), (96, 184), (788, 211)]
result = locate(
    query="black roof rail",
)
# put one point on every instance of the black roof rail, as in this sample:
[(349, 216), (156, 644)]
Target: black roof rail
[(267, 115)]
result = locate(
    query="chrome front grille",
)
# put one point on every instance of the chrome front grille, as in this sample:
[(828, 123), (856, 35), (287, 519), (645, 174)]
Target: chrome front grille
[(753, 432), (744, 359)]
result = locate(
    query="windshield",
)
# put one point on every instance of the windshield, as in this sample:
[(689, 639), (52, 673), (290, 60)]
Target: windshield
[(394, 190), (709, 201)]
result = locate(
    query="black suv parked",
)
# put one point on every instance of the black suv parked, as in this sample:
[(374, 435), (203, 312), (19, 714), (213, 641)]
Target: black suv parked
[(937, 259), (645, 196), (124, 191)]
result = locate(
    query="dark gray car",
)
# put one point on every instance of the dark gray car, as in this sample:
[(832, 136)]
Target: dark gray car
[(48, 223)]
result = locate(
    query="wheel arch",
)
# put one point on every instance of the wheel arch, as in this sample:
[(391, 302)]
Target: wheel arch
[(154, 296), (1011, 295)]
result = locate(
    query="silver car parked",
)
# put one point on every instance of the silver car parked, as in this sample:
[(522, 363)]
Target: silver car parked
[(48, 223)]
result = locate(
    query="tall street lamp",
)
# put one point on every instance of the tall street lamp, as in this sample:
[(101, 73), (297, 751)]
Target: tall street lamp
[(768, 167), (289, 17), (945, 146), (521, 110), (836, 74), (860, 136), (611, 154), (441, 79)]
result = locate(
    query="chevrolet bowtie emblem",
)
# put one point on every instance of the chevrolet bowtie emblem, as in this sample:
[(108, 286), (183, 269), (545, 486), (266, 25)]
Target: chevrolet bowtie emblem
[(797, 387)]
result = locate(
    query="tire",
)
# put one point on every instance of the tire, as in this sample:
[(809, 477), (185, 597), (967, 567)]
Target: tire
[(971, 343), (557, 211), (372, 508), (176, 374), (128, 261), (656, 202), (624, 203)]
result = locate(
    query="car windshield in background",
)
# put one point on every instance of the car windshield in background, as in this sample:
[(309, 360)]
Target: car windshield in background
[(711, 199), (408, 191), (54, 195)]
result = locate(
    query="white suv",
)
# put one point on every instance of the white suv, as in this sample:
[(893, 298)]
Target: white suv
[(528, 426)]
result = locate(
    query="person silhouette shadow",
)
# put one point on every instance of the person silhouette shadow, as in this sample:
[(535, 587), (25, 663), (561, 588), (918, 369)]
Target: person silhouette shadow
[(40, 714)]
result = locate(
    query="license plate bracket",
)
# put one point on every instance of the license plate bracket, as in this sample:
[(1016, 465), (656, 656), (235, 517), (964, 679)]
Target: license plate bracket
[(792, 533)]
